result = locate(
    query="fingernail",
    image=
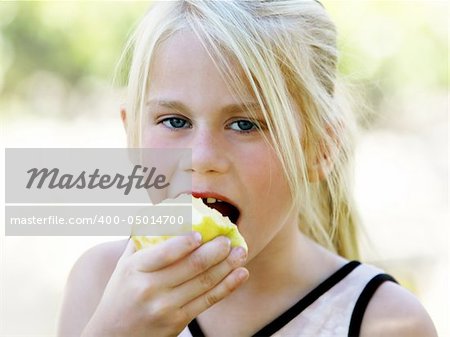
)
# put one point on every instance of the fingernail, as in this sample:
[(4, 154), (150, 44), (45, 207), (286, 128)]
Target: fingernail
[(197, 237), (241, 274), (239, 254), (226, 240)]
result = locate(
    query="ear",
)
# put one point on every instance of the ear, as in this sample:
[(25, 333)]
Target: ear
[(322, 166), (123, 116), (327, 154)]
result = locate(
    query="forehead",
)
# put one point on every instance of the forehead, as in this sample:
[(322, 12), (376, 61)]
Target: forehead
[(182, 66)]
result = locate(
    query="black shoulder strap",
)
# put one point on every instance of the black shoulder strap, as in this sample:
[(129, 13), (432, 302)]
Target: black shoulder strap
[(306, 301), (195, 329), (363, 301), (297, 308)]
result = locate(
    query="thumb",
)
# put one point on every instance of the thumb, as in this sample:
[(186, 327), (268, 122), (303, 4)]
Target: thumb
[(130, 249)]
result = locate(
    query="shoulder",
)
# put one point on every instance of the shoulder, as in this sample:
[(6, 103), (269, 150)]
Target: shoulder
[(98, 263), (85, 285), (394, 311)]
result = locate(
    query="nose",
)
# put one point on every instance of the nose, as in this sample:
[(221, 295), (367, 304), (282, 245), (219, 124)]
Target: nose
[(209, 153)]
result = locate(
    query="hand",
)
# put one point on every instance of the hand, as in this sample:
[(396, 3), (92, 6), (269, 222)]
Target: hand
[(160, 289)]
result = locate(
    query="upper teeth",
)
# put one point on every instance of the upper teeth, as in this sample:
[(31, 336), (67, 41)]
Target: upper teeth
[(212, 200)]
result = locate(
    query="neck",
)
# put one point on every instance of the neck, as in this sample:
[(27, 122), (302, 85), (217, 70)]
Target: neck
[(291, 264), (276, 263), (288, 268)]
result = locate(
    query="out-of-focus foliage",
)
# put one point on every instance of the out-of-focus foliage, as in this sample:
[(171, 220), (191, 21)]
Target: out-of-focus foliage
[(403, 42), (60, 47), (392, 48), (386, 46), (72, 39)]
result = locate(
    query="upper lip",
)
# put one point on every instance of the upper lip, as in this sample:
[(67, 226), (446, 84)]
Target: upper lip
[(208, 194)]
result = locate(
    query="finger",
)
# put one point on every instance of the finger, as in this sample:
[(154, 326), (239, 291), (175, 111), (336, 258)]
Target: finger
[(130, 248), (203, 258), (223, 289), (207, 280), (165, 253)]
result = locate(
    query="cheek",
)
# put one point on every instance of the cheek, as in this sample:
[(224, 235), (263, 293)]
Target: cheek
[(269, 193), (152, 137), (167, 156), (268, 198), (264, 172)]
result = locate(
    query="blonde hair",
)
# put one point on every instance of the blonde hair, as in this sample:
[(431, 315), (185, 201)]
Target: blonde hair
[(286, 51)]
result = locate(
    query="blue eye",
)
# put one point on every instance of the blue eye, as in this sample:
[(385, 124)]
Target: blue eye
[(244, 126), (175, 123)]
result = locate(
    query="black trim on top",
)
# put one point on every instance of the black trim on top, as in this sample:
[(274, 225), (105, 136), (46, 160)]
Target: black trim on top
[(297, 308), (306, 301), (195, 329), (362, 302)]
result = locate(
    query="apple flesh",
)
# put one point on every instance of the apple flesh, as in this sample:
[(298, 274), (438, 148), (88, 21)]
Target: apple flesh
[(209, 222)]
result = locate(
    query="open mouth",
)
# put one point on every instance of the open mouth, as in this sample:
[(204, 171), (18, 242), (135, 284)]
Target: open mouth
[(225, 208)]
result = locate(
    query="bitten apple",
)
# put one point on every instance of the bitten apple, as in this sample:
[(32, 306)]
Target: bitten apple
[(209, 222)]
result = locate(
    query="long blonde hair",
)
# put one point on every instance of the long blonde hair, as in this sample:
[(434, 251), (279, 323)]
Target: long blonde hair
[(287, 53)]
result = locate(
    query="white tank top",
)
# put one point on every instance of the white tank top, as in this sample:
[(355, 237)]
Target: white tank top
[(334, 308)]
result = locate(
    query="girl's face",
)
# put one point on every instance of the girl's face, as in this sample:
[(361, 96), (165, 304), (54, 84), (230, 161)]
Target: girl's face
[(190, 106)]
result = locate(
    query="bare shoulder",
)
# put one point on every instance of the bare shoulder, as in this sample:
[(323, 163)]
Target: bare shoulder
[(106, 254), (394, 311), (96, 265), (85, 285)]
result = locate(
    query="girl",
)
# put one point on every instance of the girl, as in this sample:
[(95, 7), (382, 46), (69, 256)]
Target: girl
[(251, 88)]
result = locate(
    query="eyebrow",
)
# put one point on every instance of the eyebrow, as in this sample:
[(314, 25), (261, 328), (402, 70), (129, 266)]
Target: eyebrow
[(228, 109)]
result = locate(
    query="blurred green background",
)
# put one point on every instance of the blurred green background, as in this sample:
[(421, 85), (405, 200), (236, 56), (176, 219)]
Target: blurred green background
[(57, 61), (60, 50), (387, 47)]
